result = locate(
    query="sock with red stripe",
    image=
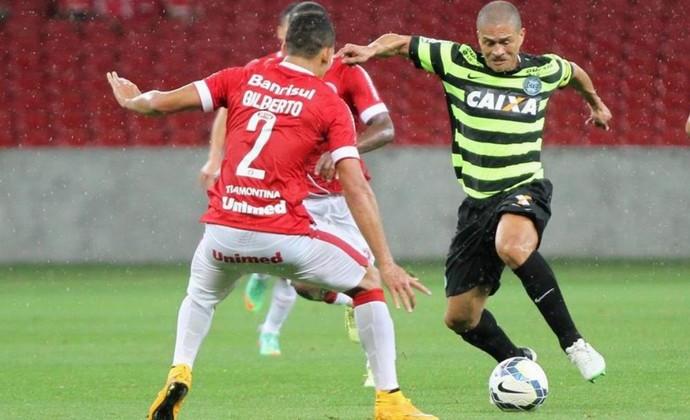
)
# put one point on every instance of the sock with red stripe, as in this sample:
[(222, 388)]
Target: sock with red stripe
[(377, 335), (335, 298)]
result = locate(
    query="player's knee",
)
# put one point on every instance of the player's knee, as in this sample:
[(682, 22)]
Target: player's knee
[(309, 292), (513, 254), (207, 298), (204, 300), (371, 280), (461, 322)]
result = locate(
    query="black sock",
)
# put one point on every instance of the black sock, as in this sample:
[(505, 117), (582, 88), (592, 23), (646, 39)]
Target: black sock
[(541, 286), (488, 336)]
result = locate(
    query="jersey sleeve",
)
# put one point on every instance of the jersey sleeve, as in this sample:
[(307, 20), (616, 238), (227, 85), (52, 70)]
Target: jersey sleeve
[(363, 93), (340, 132), (215, 89), (566, 69), (428, 53), (567, 72)]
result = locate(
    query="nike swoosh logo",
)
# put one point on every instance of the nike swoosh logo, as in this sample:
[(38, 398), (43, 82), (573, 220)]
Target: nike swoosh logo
[(540, 298), (473, 76), (508, 391)]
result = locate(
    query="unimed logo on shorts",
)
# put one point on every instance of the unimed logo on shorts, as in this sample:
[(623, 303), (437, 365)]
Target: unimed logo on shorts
[(247, 259)]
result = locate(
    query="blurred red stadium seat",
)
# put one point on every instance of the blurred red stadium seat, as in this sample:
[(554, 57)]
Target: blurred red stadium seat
[(189, 129), (108, 124), (7, 138), (632, 49), (70, 128), (148, 131), (33, 128)]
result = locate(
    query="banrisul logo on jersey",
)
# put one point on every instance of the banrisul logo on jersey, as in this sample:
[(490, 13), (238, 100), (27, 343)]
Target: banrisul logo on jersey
[(502, 102)]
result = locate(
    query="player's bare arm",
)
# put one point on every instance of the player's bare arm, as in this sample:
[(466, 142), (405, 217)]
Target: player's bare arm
[(153, 102), (388, 45), (208, 172), (379, 132), (687, 126), (581, 82), (362, 203)]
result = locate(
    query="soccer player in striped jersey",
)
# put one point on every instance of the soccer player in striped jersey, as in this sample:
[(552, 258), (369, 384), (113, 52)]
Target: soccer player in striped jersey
[(497, 100), (277, 116)]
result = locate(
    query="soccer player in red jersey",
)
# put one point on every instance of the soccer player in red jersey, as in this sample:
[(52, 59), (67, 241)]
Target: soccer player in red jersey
[(277, 115), (325, 202)]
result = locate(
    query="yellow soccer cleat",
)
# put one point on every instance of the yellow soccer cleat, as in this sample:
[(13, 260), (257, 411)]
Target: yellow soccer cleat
[(351, 325), (395, 406), (169, 400)]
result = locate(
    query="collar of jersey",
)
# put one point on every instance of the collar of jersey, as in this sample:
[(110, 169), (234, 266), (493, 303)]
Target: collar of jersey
[(295, 67)]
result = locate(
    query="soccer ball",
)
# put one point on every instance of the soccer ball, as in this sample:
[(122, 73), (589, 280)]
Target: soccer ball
[(518, 384)]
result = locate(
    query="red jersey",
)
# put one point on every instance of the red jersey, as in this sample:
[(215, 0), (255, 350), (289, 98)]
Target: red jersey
[(278, 114), (354, 86)]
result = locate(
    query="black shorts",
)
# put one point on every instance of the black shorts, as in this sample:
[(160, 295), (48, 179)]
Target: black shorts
[(472, 258)]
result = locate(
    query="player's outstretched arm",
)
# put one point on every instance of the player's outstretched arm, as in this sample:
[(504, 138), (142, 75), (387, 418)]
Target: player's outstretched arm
[(388, 45), (379, 132), (216, 150), (582, 83), (362, 203), (153, 102), (687, 126)]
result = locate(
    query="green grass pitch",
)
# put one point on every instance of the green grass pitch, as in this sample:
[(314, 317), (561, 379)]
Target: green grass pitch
[(80, 342)]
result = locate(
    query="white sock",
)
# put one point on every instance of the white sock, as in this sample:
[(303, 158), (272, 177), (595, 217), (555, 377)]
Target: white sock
[(377, 334), (284, 297), (193, 323), (342, 299)]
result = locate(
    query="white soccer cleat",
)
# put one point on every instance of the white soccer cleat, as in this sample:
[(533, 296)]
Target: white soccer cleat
[(590, 363)]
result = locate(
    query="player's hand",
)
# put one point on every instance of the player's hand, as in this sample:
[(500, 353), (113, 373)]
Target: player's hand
[(325, 167), (401, 285), (123, 89), (355, 54), (208, 174), (600, 116)]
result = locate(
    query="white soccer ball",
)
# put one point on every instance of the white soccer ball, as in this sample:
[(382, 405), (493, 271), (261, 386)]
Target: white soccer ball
[(518, 384)]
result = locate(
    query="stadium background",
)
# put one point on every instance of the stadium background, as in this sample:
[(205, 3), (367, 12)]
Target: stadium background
[(82, 180)]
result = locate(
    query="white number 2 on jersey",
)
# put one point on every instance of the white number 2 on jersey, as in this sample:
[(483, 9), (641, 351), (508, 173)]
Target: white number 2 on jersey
[(243, 168)]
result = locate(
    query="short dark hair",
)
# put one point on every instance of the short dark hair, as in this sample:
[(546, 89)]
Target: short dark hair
[(299, 7), (306, 6), (308, 34)]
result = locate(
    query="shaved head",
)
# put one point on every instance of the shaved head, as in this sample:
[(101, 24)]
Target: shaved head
[(499, 13), (500, 34)]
